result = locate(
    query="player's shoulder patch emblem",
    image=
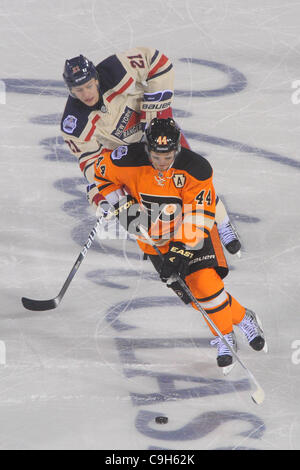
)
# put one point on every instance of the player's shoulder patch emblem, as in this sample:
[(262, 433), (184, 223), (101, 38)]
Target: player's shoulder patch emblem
[(119, 152), (69, 124), (179, 180)]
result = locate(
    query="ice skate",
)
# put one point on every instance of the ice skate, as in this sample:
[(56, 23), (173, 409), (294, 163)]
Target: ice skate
[(224, 358), (229, 238), (252, 328)]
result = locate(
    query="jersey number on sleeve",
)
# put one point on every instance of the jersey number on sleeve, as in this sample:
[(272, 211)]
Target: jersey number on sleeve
[(100, 167), (201, 197), (136, 63)]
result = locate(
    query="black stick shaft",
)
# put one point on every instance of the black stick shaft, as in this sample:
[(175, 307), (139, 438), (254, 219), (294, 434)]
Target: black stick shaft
[(42, 305), (80, 258)]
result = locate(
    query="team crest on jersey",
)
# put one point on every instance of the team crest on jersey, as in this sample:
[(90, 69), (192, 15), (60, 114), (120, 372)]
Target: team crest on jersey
[(69, 124), (128, 125), (164, 208), (179, 180)]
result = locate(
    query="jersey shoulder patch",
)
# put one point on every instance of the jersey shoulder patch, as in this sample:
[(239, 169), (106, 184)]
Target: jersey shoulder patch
[(132, 155), (194, 164), (119, 152), (69, 124), (111, 72), (75, 117)]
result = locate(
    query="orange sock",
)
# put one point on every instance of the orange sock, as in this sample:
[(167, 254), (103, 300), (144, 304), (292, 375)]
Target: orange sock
[(238, 311), (208, 288)]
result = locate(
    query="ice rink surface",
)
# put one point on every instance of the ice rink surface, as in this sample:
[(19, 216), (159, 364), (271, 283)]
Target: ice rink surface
[(120, 349)]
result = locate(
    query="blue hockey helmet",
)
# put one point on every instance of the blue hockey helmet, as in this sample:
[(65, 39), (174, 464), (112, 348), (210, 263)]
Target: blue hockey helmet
[(78, 71)]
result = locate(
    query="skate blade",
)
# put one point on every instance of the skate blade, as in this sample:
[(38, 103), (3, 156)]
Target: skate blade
[(239, 254), (226, 370)]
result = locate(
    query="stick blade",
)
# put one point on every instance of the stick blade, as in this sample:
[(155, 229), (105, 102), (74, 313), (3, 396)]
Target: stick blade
[(40, 305), (258, 396)]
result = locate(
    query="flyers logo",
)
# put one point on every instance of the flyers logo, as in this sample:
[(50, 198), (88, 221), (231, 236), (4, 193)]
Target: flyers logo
[(163, 208)]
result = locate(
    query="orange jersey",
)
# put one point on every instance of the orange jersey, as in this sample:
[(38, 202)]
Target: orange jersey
[(179, 203)]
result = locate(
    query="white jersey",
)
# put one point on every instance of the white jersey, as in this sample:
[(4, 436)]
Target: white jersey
[(135, 86)]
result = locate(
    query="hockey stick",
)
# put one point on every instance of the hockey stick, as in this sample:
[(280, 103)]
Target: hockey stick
[(259, 395), (42, 305)]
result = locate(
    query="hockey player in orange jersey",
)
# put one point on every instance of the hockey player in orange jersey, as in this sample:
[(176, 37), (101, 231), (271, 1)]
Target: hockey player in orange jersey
[(110, 104), (169, 190)]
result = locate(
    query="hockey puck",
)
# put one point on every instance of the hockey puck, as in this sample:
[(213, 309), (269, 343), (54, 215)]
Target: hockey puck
[(161, 419)]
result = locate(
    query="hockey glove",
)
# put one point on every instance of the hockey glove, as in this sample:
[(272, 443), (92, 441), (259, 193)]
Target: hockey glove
[(154, 103), (93, 195), (127, 210), (176, 261)]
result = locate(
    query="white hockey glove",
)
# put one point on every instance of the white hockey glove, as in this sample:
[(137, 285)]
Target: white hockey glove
[(155, 102)]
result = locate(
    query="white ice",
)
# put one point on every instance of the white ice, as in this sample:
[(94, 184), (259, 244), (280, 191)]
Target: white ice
[(79, 377)]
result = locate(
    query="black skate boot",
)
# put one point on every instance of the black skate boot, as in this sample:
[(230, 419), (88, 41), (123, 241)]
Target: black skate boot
[(224, 358), (252, 329), (229, 238)]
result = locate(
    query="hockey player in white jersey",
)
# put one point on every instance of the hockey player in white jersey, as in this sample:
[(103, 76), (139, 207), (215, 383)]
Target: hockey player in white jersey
[(110, 104)]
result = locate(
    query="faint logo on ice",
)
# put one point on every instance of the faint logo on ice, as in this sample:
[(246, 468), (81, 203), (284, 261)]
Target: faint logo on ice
[(2, 353), (296, 95), (296, 353), (2, 92)]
